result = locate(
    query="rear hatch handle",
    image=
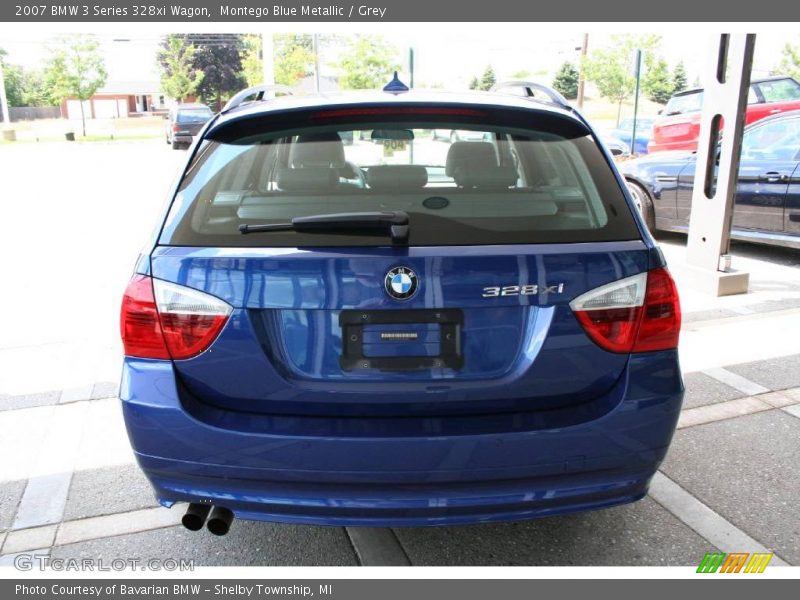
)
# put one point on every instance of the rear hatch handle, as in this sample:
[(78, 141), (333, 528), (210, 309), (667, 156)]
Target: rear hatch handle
[(395, 223)]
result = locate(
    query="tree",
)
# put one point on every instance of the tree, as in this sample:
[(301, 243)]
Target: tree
[(679, 80), (179, 77), (15, 85), (252, 60), (485, 81), (488, 79), (76, 69), (657, 83), (294, 58), (566, 81), (790, 61), (218, 56), (367, 63), (611, 68)]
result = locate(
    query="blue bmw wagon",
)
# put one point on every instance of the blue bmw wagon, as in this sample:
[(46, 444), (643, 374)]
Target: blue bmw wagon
[(343, 321)]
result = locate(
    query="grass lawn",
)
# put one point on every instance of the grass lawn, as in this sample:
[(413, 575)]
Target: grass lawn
[(603, 113)]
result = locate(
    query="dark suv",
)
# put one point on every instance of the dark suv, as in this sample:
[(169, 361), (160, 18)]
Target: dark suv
[(184, 121), (399, 331)]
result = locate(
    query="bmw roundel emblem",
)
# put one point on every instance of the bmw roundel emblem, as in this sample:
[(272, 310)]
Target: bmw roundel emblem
[(401, 283)]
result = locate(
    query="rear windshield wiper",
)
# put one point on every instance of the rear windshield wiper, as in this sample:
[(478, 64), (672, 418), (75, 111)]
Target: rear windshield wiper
[(356, 223)]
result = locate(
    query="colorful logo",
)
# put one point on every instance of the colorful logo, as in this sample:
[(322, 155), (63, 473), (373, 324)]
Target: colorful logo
[(735, 562)]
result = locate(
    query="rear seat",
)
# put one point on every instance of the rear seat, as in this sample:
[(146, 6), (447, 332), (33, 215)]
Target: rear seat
[(475, 165)]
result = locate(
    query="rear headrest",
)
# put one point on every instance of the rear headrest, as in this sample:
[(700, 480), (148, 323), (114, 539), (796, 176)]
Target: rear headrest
[(469, 155), (485, 177), (317, 150), (308, 179), (397, 177)]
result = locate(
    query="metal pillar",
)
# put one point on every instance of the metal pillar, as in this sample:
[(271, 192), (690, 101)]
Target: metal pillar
[(638, 73), (726, 84)]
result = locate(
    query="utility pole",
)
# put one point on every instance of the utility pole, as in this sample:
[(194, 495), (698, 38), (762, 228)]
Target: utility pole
[(315, 47), (267, 58), (582, 70)]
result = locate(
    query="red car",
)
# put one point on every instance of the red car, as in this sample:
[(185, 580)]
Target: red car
[(679, 128)]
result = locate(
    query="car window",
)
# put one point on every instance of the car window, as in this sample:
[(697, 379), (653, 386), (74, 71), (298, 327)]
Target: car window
[(490, 186), (780, 90), (775, 140), (685, 103)]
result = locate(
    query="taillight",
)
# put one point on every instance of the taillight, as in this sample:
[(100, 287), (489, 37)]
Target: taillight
[(139, 323), (164, 320), (175, 128), (636, 314), (661, 314)]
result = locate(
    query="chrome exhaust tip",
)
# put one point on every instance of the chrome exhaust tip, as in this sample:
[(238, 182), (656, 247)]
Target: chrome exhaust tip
[(220, 520), (195, 516)]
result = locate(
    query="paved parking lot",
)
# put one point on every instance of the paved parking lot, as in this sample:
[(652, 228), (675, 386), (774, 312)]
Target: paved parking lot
[(71, 488)]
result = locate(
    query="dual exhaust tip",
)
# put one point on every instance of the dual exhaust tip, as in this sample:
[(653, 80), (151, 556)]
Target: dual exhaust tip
[(217, 519)]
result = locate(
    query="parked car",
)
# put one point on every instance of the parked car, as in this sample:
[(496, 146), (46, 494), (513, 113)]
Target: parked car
[(767, 203), (185, 121), (679, 128), (615, 145), (344, 335), (461, 135), (644, 130)]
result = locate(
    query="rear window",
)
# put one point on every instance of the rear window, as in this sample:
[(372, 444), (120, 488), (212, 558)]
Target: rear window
[(685, 103), (194, 115), (460, 183), (780, 90)]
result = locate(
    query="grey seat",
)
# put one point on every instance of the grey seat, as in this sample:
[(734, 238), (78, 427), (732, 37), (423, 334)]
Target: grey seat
[(469, 155), (475, 165), (322, 150)]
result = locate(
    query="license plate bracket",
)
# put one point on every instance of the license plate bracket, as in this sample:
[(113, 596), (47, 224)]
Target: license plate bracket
[(352, 322)]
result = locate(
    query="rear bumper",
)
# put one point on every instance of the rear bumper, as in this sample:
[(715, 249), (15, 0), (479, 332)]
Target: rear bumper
[(384, 480), (689, 145), (183, 138)]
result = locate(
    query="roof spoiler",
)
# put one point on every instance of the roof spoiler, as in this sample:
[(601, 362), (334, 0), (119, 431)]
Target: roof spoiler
[(255, 94), (531, 88), (553, 97)]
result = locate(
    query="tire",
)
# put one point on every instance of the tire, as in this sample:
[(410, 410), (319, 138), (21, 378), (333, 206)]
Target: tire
[(644, 203)]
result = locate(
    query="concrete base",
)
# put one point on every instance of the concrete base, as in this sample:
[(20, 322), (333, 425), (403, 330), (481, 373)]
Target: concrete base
[(714, 283), (9, 135)]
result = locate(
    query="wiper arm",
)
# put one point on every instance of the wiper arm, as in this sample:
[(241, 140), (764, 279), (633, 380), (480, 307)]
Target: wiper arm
[(356, 223)]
